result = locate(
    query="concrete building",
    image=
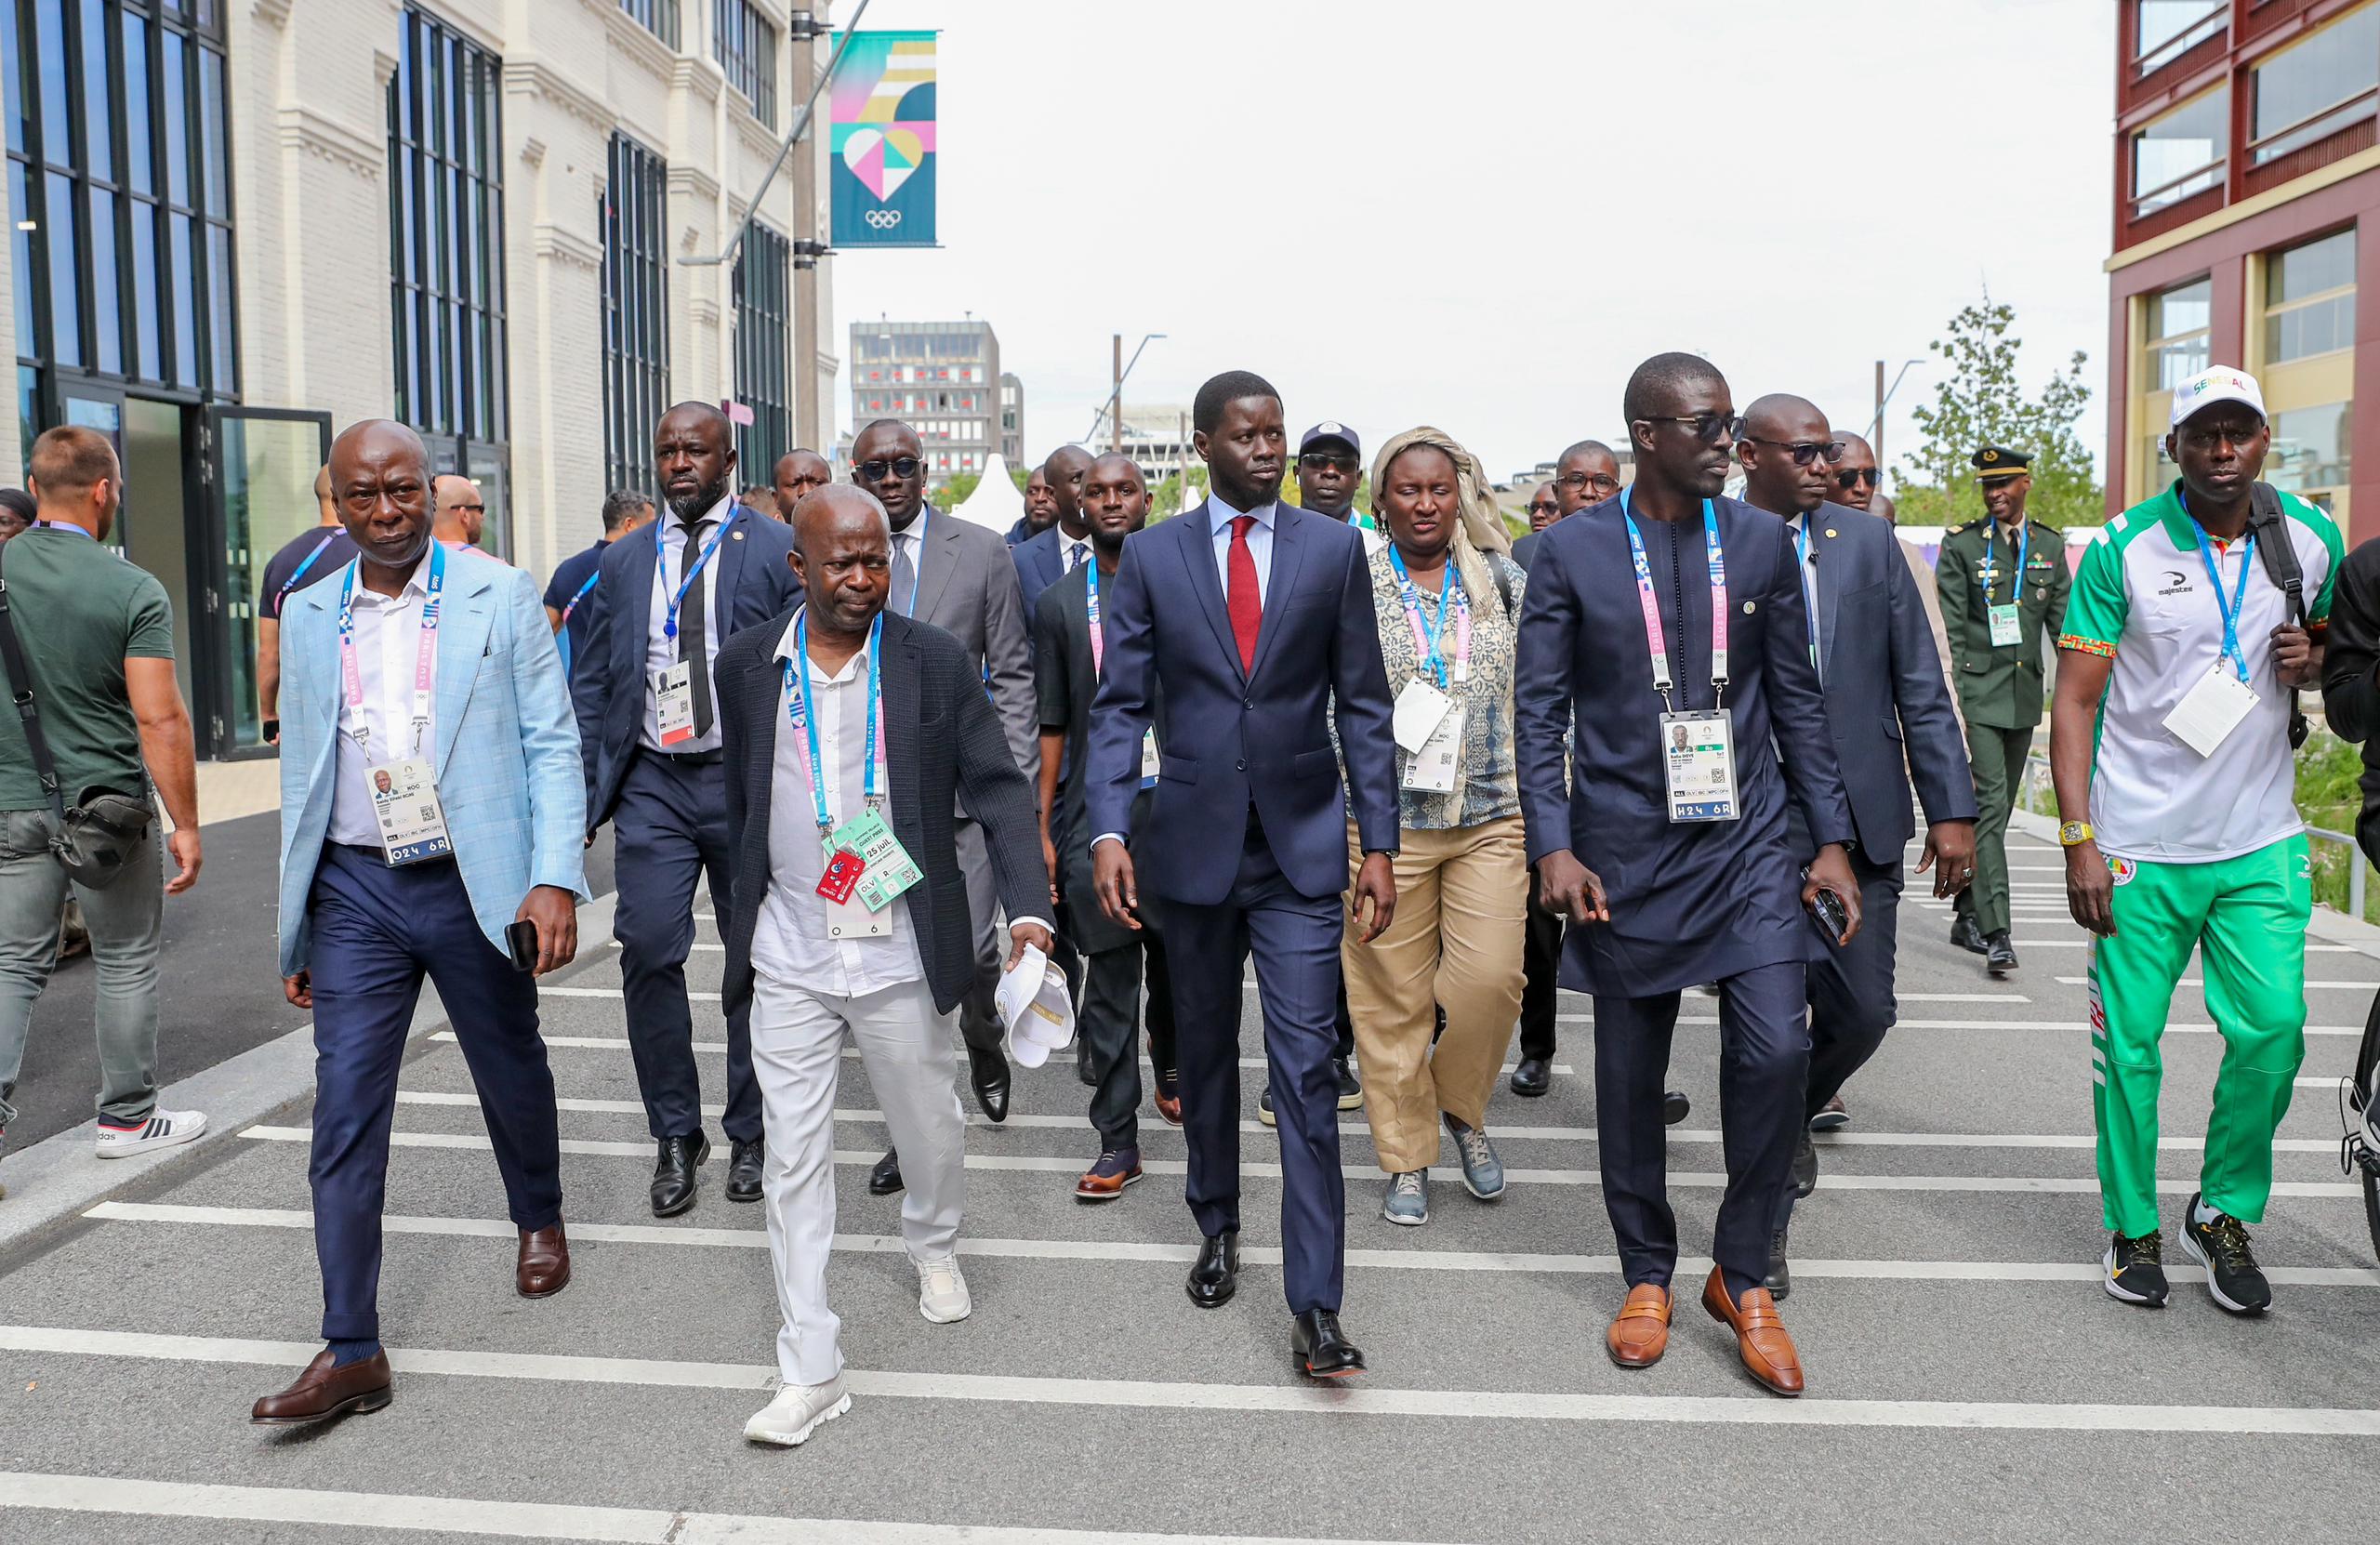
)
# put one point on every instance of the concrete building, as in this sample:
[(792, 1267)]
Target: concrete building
[(944, 379), (2247, 163), (238, 226), (1012, 419)]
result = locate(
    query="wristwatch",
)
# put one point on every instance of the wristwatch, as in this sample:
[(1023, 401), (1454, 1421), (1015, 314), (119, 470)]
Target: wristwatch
[(2073, 834)]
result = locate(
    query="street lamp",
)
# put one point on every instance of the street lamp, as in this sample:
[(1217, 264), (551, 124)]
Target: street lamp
[(1883, 396), (1113, 411)]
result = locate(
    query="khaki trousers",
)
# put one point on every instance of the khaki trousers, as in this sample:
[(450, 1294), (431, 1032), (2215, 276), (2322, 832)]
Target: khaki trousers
[(1455, 940)]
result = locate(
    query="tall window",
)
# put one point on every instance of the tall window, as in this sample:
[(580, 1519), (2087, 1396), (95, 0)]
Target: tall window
[(2312, 90), (2168, 29), (761, 330), (2181, 153), (660, 17), (118, 134), (2176, 334), (446, 249), (746, 45), (2309, 299), (636, 312)]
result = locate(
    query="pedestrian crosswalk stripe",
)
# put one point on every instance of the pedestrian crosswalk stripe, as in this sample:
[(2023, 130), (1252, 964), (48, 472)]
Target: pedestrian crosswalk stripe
[(1299, 1399), (1061, 1164), (2201, 982), (718, 1048), (757, 1237)]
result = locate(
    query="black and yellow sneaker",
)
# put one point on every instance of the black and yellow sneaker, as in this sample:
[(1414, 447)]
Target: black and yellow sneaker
[(2136, 1269), (2232, 1275)]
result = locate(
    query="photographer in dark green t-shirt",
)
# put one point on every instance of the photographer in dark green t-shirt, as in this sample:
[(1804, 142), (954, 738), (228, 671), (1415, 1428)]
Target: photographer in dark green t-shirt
[(98, 636)]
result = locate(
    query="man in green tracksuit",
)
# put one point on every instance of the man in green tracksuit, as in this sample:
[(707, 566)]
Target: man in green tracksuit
[(2003, 582), (2180, 829)]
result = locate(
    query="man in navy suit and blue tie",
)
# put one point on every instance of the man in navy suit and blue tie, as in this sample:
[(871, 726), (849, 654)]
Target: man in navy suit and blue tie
[(649, 731), (1888, 711), (1245, 619), (1668, 625), (1050, 555)]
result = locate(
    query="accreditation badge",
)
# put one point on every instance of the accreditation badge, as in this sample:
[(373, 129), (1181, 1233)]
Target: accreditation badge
[(404, 801), (1698, 757), (1419, 708), (888, 870), (1148, 755), (2210, 711), (1436, 767), (2006, 628), (673, 694)]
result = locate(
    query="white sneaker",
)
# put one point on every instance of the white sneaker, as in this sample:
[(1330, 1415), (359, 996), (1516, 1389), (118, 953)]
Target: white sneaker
[(799, 1410), (164, 1128), (942, 1290)]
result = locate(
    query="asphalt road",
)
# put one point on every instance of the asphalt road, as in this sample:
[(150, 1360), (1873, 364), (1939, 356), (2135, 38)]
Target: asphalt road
[(1967, 1379)]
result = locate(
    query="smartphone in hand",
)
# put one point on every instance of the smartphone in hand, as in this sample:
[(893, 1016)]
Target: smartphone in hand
[(1829, 910), (521, 939)]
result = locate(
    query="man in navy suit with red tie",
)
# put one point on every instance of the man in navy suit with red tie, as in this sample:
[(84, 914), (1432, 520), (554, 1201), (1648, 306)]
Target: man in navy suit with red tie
[(1243, 620)]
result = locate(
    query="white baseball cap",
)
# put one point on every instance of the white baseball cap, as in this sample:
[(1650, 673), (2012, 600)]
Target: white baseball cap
[(2222, 384)]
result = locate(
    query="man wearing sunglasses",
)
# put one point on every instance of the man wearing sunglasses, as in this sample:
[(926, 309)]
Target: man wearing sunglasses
[(962, 579), (1888, 709), (2003, 582)]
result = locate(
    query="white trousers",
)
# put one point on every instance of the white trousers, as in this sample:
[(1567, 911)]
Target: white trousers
[(797, 1055)]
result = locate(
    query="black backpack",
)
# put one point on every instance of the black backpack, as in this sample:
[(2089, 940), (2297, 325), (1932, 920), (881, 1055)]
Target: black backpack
[(2271, 528)]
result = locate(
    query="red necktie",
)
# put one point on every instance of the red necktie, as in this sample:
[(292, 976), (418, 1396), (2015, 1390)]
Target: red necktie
[(1246, 605)]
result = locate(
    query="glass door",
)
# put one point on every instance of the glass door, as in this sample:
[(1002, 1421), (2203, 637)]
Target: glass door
[(89, 406), (259, 472)]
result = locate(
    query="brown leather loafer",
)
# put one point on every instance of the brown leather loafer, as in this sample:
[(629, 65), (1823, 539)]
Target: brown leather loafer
[(1640, 1333), (323, 1392), (543, 1269), (1761, 1339)]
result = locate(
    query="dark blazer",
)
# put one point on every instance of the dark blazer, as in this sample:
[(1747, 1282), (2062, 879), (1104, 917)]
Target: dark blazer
[(1229, 739), (1525, 550), (1693, 901), (1039, 565), (942, 739), (1886, 701), (607, 683), (2351, 675)]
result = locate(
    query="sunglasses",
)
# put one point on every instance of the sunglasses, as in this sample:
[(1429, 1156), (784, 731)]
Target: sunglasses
[(1856, 476), (1545, 507), (899, 467), (1606, 486), (1712, 428), (1805, 451), (1320, 459)]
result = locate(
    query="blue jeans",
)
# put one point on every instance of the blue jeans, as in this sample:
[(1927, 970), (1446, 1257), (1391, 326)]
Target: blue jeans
[(124, 923)]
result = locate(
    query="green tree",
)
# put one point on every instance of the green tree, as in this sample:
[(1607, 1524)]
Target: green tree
[(946, 497), (1978, 403)]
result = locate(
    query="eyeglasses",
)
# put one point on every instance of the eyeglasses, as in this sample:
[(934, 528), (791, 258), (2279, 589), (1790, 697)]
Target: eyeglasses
[(1318, 460), (1595, 482), (1544, 507), (899, 467), (1855, 477), (1712, 428), (474, 508), (1805, 451)]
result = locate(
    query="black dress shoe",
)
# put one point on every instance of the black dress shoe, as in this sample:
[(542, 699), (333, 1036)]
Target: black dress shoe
[(885, 1177), (1215, 1277), (1532, 1077), (673, 1173), (1966, 933), (1675, 1107), (2000, 954), (744, 1169), (1780, 1280), (1318, 1348), (987, 1070), (1806, 1165)]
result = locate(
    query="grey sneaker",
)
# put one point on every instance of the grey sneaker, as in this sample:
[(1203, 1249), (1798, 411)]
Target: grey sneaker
[(1408, 1199), (1483, 1172)]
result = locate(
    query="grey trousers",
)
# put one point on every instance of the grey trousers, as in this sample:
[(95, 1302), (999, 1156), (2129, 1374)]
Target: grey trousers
[(979, 1019), (125, 921)]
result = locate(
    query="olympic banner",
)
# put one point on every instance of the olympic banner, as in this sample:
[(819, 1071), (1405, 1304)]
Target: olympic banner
[(883, 141)]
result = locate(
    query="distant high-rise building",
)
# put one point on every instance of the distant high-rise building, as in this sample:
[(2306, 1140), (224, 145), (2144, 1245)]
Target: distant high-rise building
[(943, 379), (1012, 420)]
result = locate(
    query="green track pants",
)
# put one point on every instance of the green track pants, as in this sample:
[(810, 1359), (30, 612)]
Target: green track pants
[(2247, 916)]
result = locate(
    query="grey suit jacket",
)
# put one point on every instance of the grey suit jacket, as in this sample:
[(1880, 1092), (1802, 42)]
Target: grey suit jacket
[(968, 588)]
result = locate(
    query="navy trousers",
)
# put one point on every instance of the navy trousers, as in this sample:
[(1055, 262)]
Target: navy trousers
[(1851, 994), (1295, 941), (1763, 1068), (669, 827), (378, 932)]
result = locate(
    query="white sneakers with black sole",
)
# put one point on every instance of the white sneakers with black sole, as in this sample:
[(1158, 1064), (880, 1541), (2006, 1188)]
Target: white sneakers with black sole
[(162, 1130), (798, 1411)]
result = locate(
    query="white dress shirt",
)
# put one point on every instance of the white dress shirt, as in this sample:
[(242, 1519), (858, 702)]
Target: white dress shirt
[(1259, 542), (387, 643), (1799, 524), (1073, 552), (660, 650)]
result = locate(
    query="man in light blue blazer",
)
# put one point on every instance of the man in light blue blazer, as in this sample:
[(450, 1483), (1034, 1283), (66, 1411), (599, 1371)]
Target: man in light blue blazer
[(432, 819)]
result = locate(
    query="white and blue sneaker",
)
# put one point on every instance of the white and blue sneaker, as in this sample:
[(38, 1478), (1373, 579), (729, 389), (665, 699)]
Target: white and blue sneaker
[(1483, 1172), (1408, 1203), (160, 1129)]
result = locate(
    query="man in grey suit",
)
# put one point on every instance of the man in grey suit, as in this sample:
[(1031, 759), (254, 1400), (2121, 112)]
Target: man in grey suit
[(960, 577), (1888, 712)]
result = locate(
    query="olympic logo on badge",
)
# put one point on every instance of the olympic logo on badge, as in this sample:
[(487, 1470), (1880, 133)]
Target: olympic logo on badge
[(2121, 870), (884, 219)]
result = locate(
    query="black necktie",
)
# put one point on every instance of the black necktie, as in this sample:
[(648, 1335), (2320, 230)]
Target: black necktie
[(691, 648)]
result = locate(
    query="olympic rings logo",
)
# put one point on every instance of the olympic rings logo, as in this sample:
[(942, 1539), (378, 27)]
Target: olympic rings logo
[(884, 219)]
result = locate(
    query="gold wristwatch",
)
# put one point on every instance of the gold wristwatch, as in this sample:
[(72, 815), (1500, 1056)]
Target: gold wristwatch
[(2073, 834)]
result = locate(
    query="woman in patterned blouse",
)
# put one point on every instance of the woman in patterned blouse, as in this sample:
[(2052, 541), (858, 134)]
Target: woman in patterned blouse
[(1446, 597)]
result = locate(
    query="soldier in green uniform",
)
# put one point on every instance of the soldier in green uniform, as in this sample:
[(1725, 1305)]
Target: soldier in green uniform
[(2004, 581)]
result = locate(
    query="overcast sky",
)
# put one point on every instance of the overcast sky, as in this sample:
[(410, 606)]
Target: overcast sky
[(1483, 214)]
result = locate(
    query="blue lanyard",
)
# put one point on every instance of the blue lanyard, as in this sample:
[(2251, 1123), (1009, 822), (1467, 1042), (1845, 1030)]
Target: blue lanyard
[(282, 594), (797, 708), (573, 606), (1098, 644), (694, 569), (1801, 556), (1656, 638), (2231, 651), (2024, 545), (1426, 632), (425, 667)]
